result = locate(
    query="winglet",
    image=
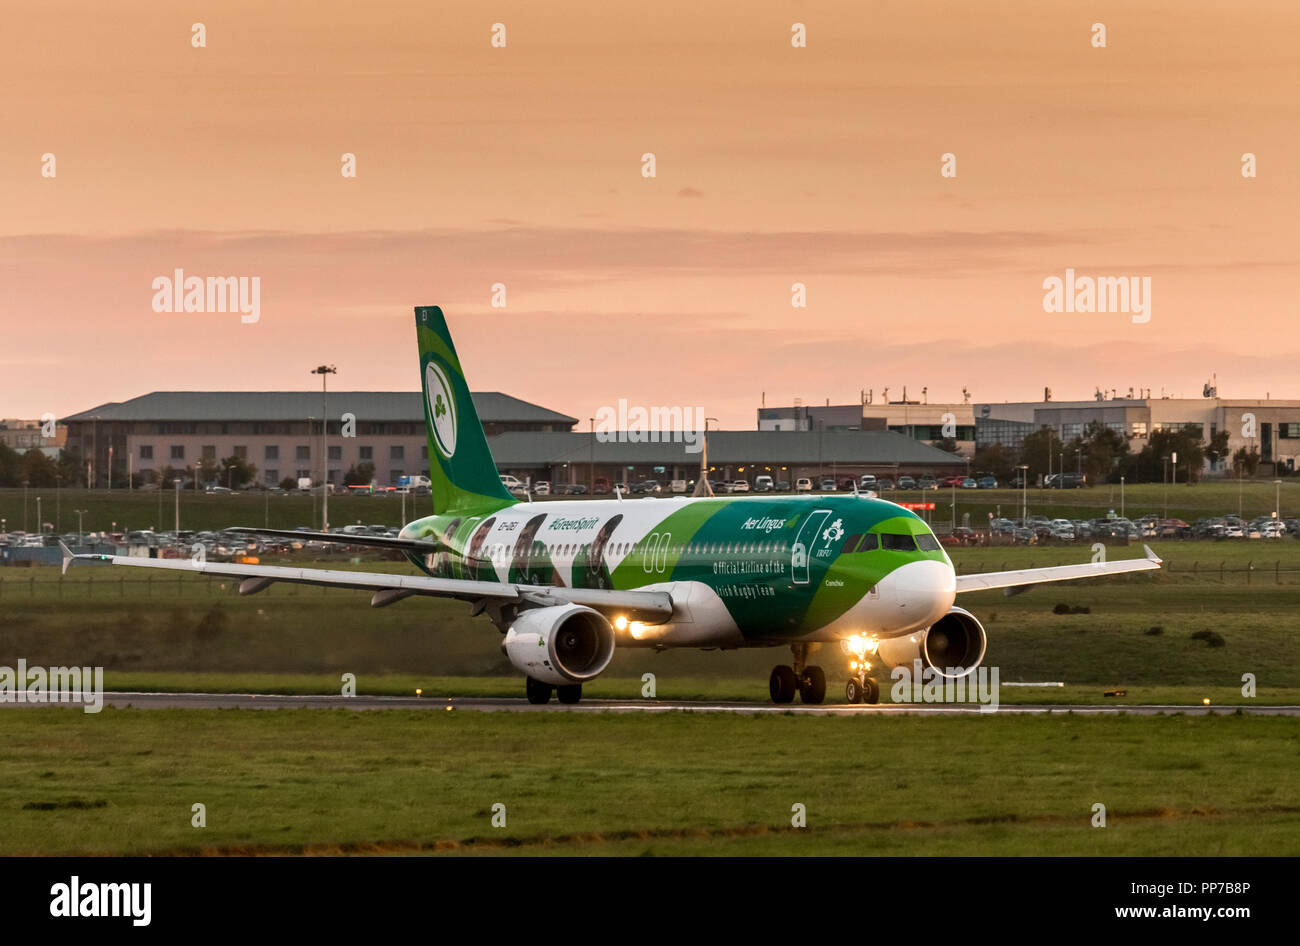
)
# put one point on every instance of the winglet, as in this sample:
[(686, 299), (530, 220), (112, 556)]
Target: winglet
[(1151, 556), (68, 556)]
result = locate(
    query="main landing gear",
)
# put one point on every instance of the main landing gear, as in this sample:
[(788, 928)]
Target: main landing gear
[(808, 681), (539, 693)]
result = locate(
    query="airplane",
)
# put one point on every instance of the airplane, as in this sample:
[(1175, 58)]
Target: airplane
[(568, 582)]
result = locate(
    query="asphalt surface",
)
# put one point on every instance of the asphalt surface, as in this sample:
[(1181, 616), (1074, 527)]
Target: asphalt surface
[(520, 705)]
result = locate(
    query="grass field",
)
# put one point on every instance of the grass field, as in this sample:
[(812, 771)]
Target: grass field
[(690, 783), (143, 510), (399, 782)]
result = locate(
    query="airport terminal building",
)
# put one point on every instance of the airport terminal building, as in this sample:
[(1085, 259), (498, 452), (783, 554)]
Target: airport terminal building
[(279, 433)]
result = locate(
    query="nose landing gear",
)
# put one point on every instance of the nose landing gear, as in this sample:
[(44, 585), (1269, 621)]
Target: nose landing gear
[(861, 689)]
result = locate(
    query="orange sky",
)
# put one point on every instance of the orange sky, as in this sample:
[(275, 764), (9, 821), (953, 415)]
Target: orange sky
[(775, 165)]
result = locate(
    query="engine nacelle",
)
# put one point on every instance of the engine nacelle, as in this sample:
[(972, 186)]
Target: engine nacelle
[(955, 642), (560, 645)]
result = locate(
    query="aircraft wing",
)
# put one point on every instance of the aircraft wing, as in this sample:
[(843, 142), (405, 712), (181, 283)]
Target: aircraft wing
[(651, 607), (1024, 577), (343, 538)]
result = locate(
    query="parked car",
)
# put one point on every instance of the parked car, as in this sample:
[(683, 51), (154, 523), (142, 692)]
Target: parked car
[(828, 484), (740, 486), (542, 488), (783, 486), (803, 485), (987, 482), (885, 483), (969, 483), (906, 482), (763, 484), (950, 481)]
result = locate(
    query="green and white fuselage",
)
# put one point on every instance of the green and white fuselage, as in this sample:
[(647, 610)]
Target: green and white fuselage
[(740, 571)]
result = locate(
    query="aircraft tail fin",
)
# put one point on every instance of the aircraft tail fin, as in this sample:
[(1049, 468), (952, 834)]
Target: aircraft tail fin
[(462, 473)]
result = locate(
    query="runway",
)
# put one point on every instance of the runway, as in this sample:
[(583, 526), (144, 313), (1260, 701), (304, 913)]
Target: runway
[(266, 701)]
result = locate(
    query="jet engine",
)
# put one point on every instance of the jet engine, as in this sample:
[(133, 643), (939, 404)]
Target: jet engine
[(953, 645), (560, 645)]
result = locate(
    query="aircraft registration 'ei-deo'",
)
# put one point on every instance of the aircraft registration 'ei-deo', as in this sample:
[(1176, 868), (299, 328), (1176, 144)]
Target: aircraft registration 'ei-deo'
[(568, 582)]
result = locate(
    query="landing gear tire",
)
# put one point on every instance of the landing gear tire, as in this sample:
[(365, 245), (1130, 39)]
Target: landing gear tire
[(569, 694), (783, 684), (871, 691), (812, 689), (853, 691), (538, 692)]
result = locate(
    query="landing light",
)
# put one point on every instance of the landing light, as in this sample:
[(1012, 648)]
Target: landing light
[(620, 622), (859, 645), (636, 629)]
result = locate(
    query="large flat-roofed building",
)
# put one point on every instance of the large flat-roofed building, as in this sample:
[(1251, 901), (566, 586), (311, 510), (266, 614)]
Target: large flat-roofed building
[(279, 432), (23, 435), (1272, 427), (929, 423), (581, 457)]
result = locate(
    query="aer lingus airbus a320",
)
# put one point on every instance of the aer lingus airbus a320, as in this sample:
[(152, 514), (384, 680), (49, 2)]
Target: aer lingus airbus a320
[(568, 582)]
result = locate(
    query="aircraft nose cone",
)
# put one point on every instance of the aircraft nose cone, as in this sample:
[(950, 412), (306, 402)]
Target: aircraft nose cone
[(926, 591)]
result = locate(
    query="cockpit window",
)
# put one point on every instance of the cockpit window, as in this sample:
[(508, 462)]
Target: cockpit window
[(927, 543), (869, 542), (897, 543)]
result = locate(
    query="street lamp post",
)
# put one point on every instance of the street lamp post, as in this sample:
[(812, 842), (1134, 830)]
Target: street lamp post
[(177, 483), (1024, 492), (40, 525), (1277, 500), (25, 482), (81, 538), (324, 371), (702, 487), (1121, 497)]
